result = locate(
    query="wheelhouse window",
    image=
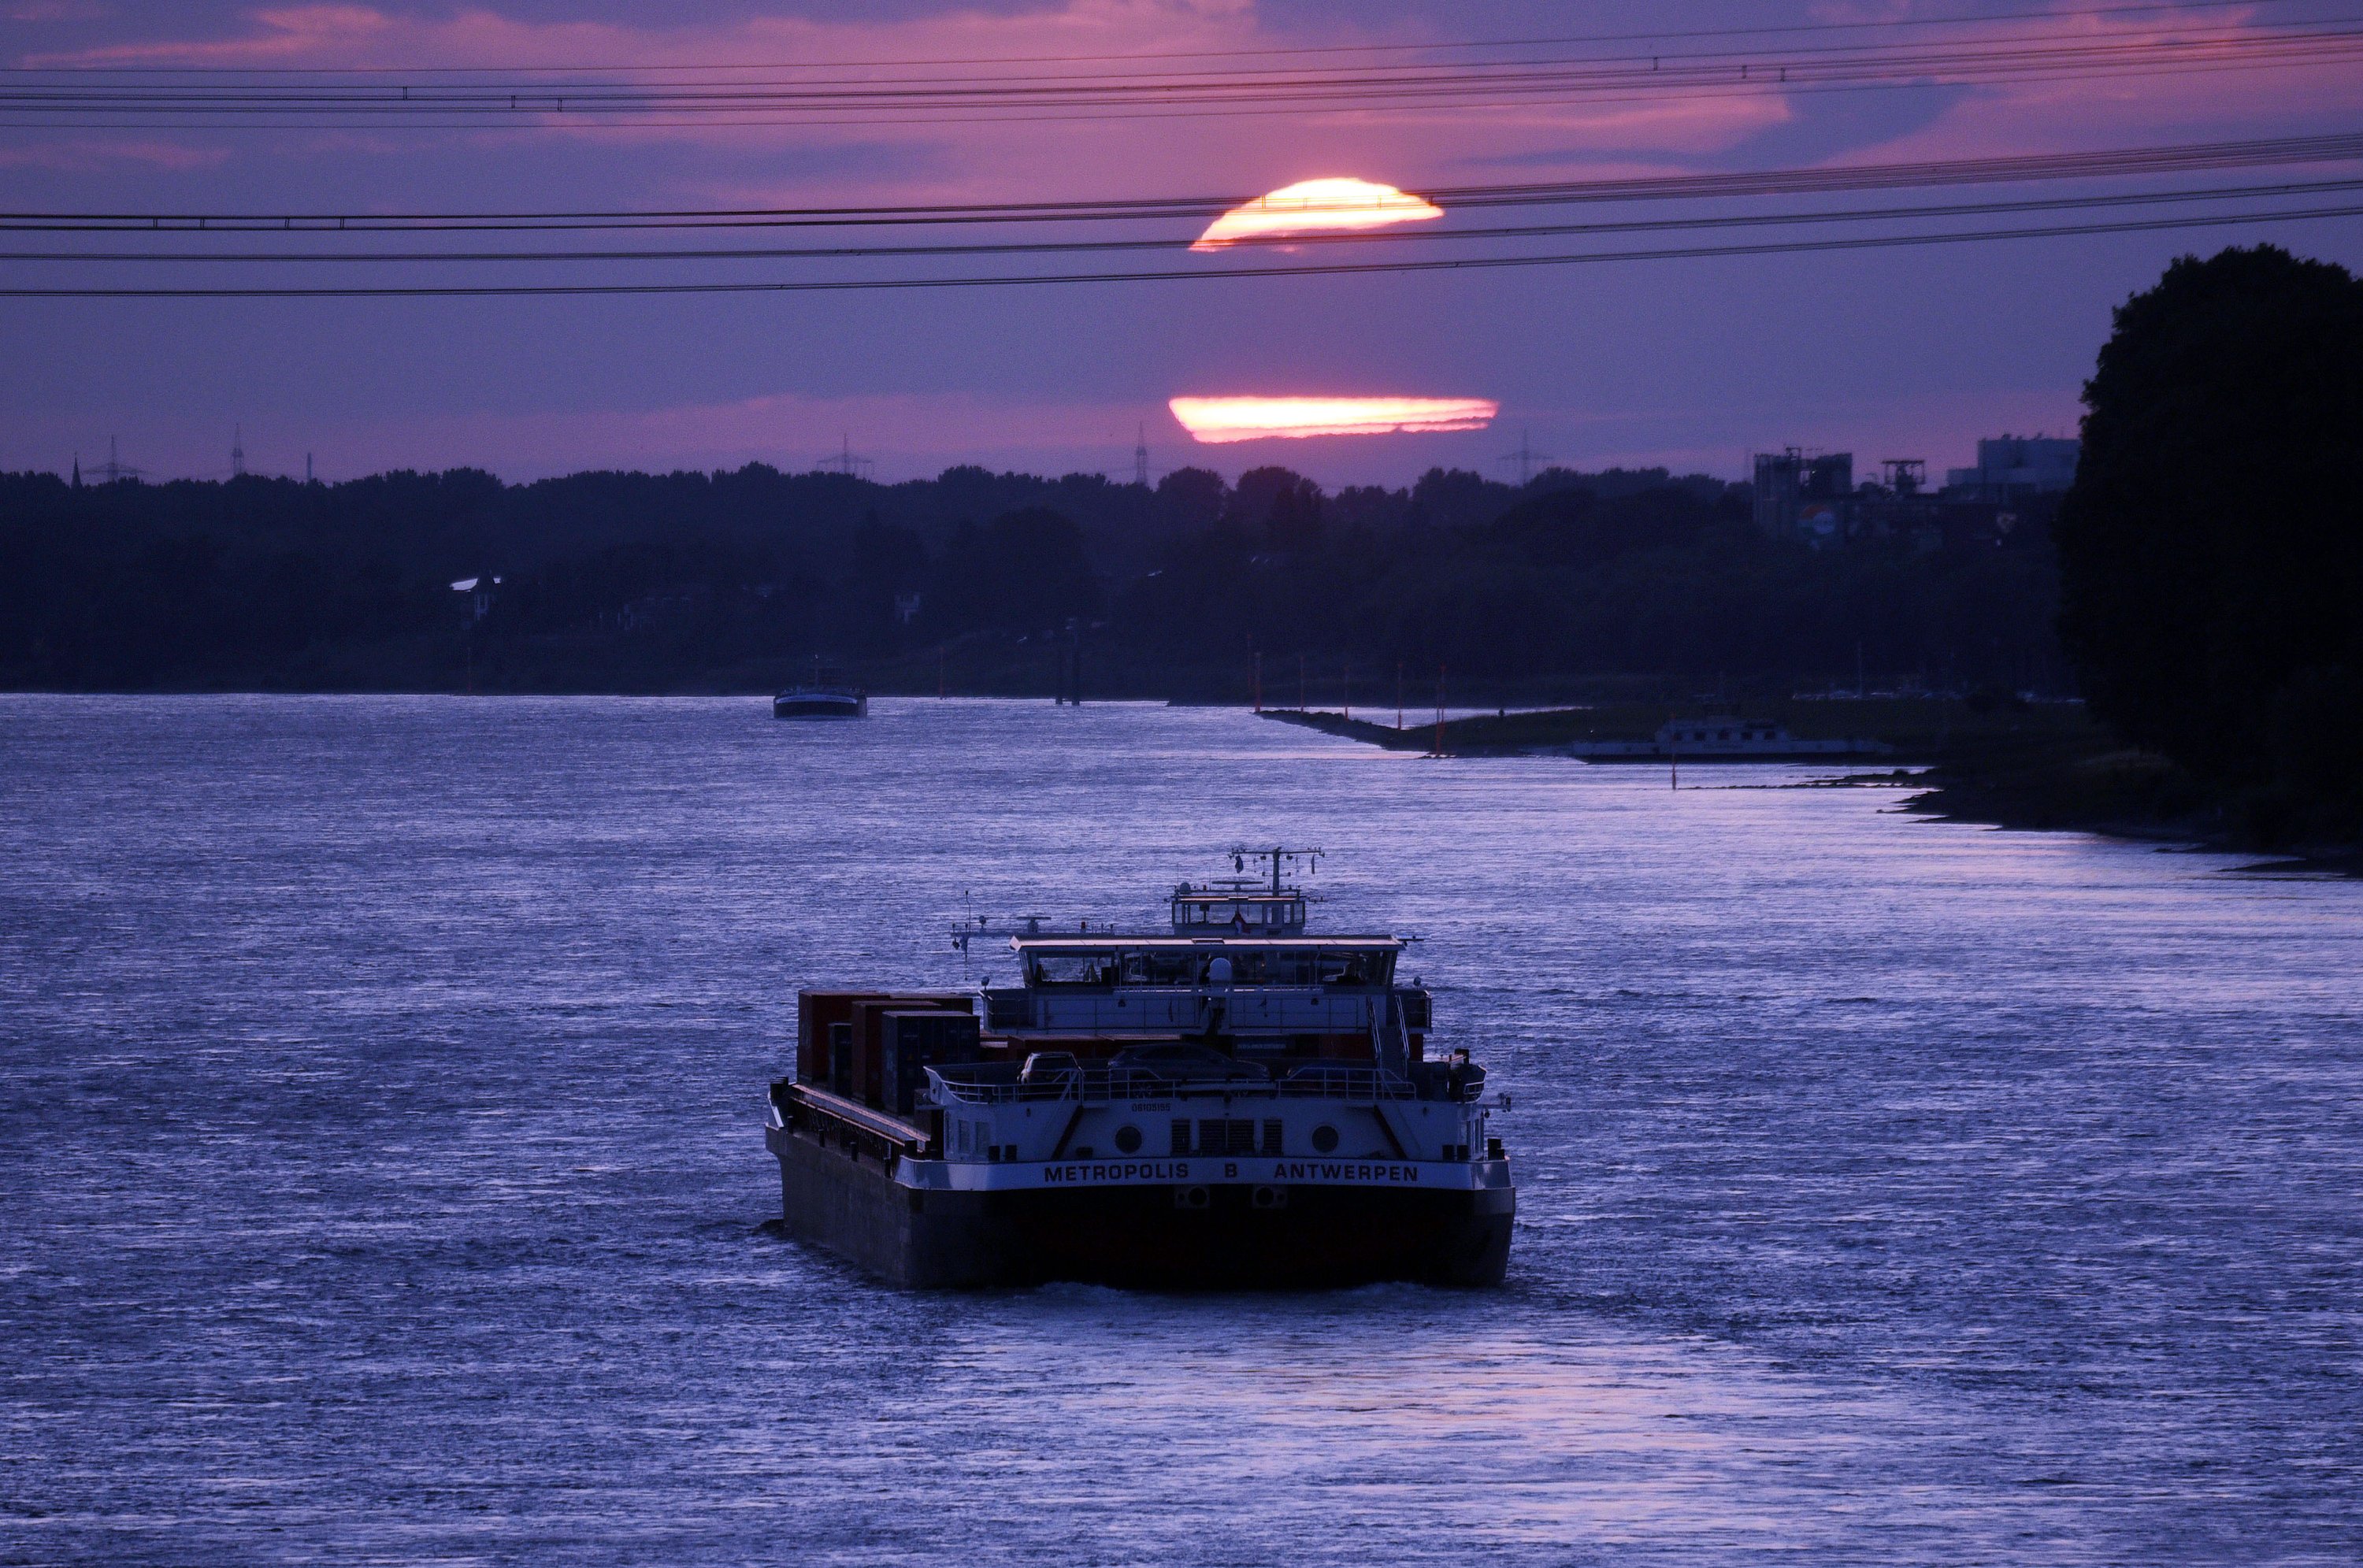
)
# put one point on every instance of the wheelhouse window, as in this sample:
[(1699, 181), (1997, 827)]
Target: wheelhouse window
[(1160, 966), (1281, 963), (1215, 914), (1355, 968), (1074, 969), (1310, 967)]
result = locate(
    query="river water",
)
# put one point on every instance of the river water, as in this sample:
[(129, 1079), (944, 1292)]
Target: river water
[(383, 1181)]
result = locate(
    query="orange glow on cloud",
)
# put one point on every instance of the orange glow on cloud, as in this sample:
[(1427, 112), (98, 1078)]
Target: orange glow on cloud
[(1219, 419), (1312, 204)]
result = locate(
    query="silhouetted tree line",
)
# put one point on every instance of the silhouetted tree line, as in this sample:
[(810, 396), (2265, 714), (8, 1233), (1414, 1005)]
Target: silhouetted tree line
[(2212, 549), (634, 581)]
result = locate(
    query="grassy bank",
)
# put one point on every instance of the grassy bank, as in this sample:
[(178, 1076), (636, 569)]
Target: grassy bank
[(2043, 766), (2035, 766), (1923, 730)]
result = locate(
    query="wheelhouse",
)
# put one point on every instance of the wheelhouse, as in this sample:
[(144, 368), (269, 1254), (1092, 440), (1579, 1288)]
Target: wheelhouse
[(1237, 909), (1113, 963)]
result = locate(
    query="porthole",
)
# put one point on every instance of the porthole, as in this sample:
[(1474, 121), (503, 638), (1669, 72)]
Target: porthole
[(1324, 1139), (1127, 1139)]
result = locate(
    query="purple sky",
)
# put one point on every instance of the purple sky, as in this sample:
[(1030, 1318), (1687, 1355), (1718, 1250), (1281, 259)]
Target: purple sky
[(1690, 363)]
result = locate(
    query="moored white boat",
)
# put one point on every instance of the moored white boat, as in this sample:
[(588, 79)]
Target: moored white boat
[(1724, 739)]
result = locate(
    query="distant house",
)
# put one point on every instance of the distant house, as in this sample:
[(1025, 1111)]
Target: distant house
[(650, 609), (480, 592)]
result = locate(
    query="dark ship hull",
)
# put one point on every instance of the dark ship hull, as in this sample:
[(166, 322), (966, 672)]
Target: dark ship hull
[(820, 705), (1215, 1235)]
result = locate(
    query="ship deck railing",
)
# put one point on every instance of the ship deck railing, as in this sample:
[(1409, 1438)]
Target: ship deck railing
[(1319, 1081)]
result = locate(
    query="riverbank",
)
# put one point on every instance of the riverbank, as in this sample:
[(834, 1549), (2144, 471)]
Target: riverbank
[(1921, 731), (2046, 766), (2113, 789)]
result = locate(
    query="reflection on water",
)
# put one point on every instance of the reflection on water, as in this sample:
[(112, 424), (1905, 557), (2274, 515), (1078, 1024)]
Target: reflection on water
[(381, 1078), (1283, 1421)]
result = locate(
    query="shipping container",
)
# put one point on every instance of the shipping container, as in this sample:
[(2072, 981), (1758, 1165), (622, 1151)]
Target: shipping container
[(912, 1042), (817, 1010), (868, 1035), (840, 1059)]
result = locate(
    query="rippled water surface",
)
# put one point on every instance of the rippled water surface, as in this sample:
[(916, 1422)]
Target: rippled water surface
[(382, 1172)]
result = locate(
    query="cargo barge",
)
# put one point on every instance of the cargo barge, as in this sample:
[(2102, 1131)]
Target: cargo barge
[(826, 696), (806, 702), (1229, 1103)]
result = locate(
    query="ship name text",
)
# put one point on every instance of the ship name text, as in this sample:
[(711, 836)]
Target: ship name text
[(1123, 1171)]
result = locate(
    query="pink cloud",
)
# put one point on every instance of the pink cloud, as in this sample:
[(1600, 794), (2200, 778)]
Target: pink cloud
[(986, 161), (1005, 160), (94, 155), (1000, 158), (347, 36), (2038, 115), (1214, 155)]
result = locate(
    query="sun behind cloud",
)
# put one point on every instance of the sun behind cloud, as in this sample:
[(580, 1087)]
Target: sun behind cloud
[(1215, 420), (1311, 205)]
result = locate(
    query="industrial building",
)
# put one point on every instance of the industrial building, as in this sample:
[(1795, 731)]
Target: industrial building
[(1811, 496), (2016, 468), (1803, 496)]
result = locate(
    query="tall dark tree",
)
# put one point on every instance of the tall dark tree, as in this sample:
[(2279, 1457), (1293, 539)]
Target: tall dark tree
[(2211, 554), (1261, 491), (888, 564), (686, 581), (1569, 527), (1194, 497), (1025, 571), (1286, 505)]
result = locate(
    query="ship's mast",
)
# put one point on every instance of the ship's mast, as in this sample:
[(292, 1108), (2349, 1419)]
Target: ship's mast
[(1278, 856)]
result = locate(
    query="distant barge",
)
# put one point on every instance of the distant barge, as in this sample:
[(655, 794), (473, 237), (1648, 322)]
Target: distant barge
[(826, 696), (807, 702), (1230, 1103)]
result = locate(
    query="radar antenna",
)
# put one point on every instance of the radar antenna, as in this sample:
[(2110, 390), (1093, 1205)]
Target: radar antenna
[(976, 927), (1277, 857)]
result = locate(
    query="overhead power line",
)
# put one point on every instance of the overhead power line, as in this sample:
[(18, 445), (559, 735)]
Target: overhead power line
[(590, 90), (2183, 158), (528, 124), (1349, 238), (836, 285), (2032, 57), (1961, 19)]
